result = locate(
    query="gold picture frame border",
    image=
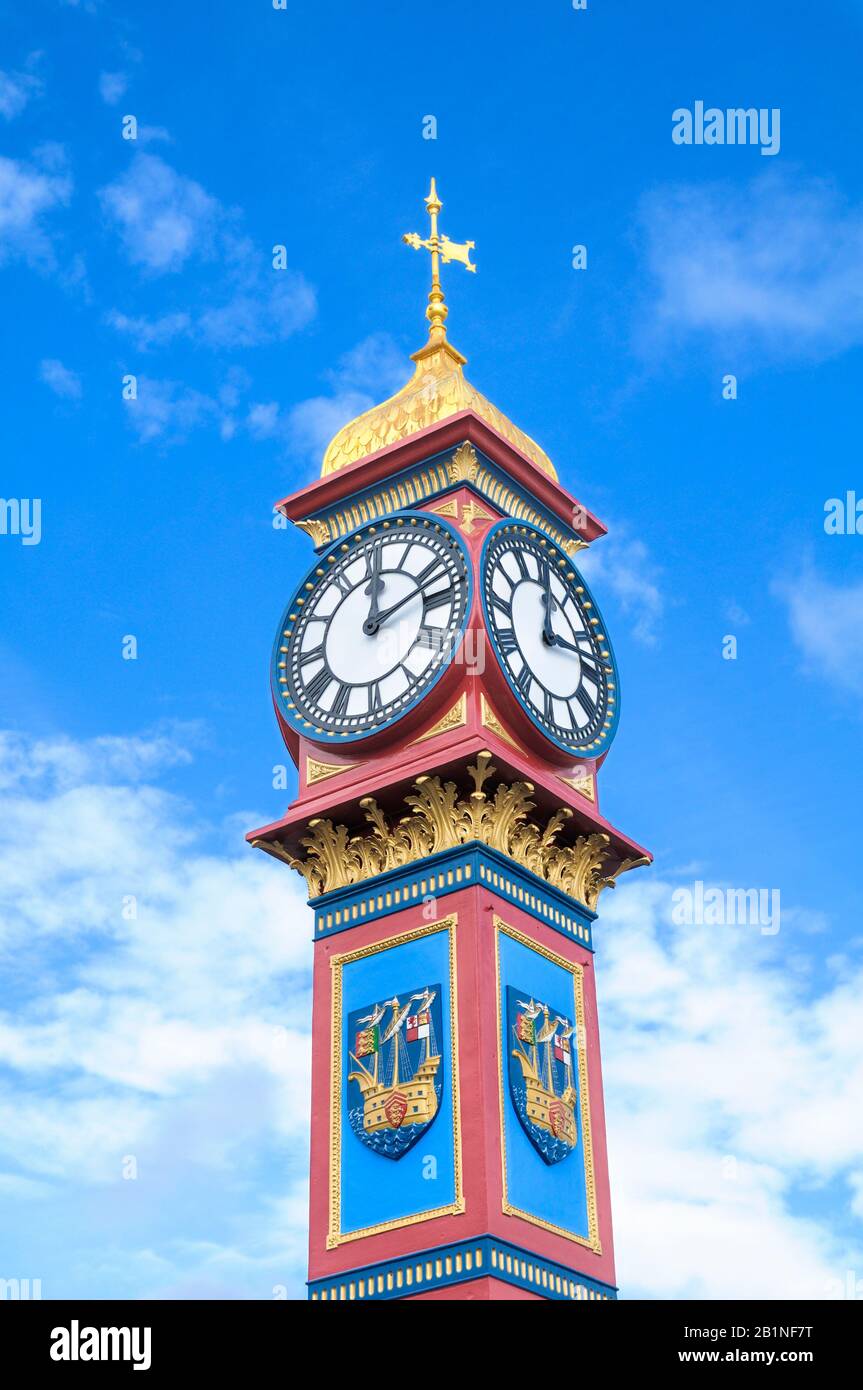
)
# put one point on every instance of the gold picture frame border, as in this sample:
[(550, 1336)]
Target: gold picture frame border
[(335, 1236), (591, 1241)]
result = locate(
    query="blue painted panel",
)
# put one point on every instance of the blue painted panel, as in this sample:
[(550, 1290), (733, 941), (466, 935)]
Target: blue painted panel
[(375, 1188), (556, 1194)]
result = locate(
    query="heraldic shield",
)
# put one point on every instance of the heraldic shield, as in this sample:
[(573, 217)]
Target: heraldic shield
[(542, 1075), (395, 1070)]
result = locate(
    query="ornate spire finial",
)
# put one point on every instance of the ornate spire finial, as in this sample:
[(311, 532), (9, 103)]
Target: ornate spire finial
[(442, 250)]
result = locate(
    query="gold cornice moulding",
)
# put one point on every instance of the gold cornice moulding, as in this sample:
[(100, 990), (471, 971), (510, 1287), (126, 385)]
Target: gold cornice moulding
[(428, 480), (440, 818)]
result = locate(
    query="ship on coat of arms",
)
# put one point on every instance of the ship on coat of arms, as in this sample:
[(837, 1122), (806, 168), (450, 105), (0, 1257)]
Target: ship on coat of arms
[(395, 1071), (541, 1077)]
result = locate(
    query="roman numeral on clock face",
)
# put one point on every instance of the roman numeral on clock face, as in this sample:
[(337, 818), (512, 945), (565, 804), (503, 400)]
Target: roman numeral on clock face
[(435, 569), (318, 684), (538, 610), (432, 601), (587, 704), (395, 589), (430, 638), (339, 707)]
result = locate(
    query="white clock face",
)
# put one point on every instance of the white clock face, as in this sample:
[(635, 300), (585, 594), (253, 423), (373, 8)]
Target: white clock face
[(372, 628), (549, 639)]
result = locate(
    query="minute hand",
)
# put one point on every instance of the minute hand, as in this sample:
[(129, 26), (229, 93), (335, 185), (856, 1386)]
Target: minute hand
[(371, 624), (557, 641)]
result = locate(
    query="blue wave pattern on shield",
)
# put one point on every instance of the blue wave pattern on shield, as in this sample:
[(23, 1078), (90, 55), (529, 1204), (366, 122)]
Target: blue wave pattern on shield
[(395, 1070), (542, 1058)]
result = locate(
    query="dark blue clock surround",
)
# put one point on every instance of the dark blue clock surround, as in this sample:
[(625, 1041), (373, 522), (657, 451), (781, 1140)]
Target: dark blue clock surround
[(520, 528), (296, 721)]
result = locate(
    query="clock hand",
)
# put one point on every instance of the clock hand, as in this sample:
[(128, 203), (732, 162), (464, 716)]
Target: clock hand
[(373, 622), (557, 641), (585, 657), (550, 605), (375, 585)]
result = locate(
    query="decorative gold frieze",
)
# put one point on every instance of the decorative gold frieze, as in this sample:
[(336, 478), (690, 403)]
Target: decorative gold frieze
[(317, 529), (491, 721), (319, 772), (584, 785), (464, 464), (453, 719), (448, 508), (412, 489), (440, 818), (472, 512)]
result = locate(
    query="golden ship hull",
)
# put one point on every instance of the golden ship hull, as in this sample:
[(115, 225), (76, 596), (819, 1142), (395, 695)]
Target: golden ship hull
[(412, 1102), (545, 1108)]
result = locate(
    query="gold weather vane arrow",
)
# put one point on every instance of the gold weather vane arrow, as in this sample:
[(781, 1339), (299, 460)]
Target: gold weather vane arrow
[(442, 250)]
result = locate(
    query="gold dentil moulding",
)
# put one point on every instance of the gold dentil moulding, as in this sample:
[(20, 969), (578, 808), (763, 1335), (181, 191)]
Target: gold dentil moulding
[(441, 818)]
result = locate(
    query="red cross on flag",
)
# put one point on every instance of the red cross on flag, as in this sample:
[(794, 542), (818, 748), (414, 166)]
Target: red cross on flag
[(417, 1027)]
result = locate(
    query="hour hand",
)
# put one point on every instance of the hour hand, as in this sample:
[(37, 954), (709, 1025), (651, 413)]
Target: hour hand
[(373, 590)]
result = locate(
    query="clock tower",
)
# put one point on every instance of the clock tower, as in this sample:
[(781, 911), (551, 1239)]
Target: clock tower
[(445, 684)]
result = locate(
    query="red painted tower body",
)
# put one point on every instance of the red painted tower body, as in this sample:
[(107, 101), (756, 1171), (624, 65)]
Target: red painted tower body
[(446, 687)]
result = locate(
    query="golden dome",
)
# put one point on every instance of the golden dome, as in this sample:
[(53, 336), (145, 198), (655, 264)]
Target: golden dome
[(437, 390)]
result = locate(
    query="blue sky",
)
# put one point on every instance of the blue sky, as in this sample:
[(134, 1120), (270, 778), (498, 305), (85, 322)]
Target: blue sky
[(734, 1060)]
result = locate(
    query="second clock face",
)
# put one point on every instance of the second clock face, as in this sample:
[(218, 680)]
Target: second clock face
[(549, 639), (372, 628)]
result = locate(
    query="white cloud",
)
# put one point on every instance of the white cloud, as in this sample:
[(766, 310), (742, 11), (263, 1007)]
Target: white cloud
[(163, 218), (62, 381), (165, 221), (63, 762), (729, 1093), (112, 86), (774, 269), (28, 192), (153, 135), (177, 1036), (149, 333), (826, 622), (365, 375), (16, 90), (180, 1037), (623, 566), (169, 411)]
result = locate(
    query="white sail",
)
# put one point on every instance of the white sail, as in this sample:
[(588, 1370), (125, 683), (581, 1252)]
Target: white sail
[(400, 1014), (548, 1030)]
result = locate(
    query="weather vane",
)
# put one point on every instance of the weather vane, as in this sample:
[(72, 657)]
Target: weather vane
[(442, 250)]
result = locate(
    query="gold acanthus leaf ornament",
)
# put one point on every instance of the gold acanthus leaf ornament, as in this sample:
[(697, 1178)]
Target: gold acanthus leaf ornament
[(440, 818)]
